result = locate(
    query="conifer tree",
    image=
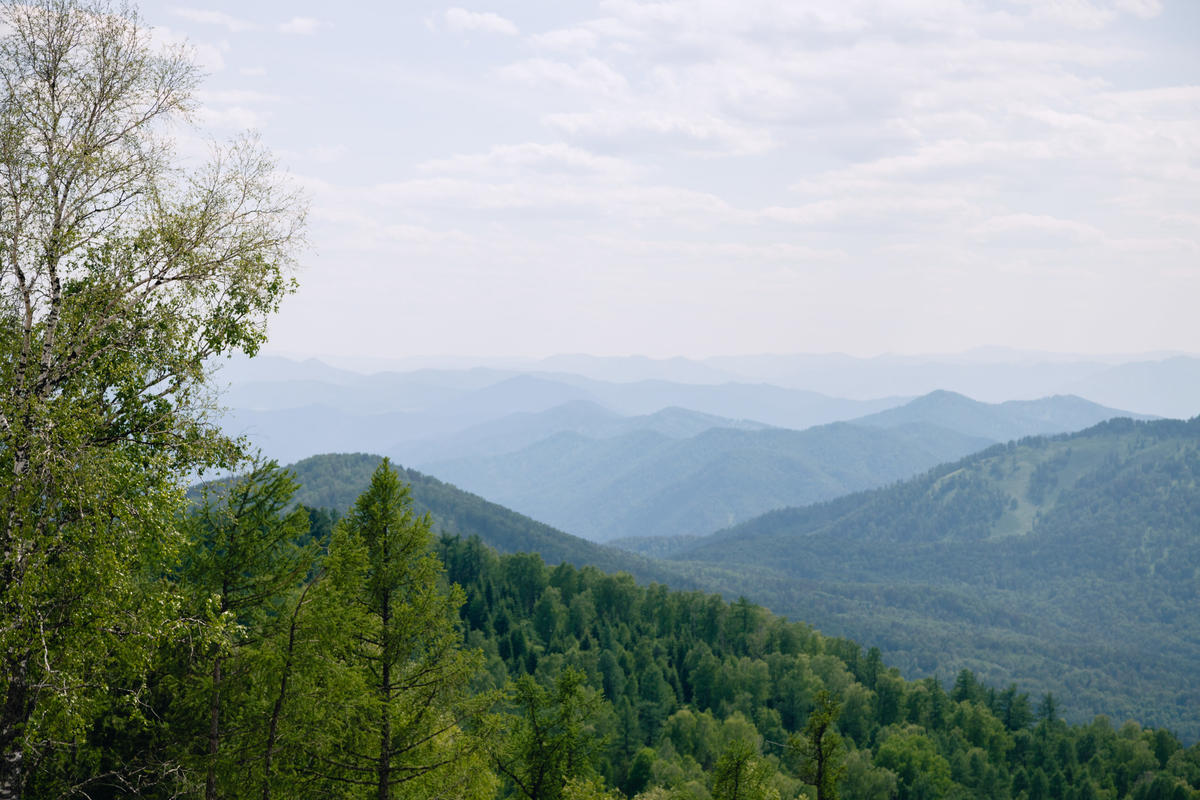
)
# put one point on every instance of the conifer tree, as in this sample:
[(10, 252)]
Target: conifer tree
[(403, 677), (820, 748)]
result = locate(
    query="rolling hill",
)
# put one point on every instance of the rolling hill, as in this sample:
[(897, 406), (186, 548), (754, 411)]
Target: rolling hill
[(335, 480), (649, 483)]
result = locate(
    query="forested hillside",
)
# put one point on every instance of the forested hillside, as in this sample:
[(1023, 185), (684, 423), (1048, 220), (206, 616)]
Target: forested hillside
[(349, 657), (1066, 563), (942, 573), (692, 694), (334, 481)]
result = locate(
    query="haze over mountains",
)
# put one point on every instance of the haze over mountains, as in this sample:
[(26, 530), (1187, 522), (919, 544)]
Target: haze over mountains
[(645, 457), (1159, 384)]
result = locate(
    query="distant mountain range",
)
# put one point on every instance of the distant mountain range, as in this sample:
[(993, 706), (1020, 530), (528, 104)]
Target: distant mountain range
[(999, 422), (645, 483), (305, 408), (583, 417), (1162, 384), (293, 409), (1069, 563)]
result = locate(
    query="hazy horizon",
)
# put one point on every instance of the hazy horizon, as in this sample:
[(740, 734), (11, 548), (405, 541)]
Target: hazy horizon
[(981, 355)]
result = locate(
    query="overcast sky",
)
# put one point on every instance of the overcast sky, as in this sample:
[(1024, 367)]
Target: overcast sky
[(699, 178)]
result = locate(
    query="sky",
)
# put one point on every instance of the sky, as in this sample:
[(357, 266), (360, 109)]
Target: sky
[(710, 177)]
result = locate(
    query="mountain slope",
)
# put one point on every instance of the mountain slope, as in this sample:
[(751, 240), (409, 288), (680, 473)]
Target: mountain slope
[(1070, 563), (335, 481), (646, 483)]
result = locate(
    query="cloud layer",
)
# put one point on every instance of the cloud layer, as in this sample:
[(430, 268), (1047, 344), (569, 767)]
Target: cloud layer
[(695, 176)]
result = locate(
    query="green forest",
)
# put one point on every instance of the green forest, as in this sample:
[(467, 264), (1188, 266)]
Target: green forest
[(1058, 562), (332, 655)]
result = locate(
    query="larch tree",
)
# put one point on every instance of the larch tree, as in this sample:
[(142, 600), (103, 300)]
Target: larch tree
[(400, 668), (121, 275)]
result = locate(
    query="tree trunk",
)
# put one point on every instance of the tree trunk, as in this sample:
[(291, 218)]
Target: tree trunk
[(385, 732), (10, 774), (277, 710), (13, 716)]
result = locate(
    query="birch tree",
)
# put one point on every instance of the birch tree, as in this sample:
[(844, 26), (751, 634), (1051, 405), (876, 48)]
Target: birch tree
[(120, 275)]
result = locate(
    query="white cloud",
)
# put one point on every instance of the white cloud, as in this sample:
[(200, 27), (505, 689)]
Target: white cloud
[(300, 26), (702, 133), (568, 40), (231, 118), (759, 162), (461, 20), (591, 76), (246, 97), (320, 154), (1146, 9), (554, 157), (1040, 226), (209, 17)]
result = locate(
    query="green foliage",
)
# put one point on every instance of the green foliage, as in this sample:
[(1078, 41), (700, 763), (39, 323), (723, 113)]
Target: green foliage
[(921, 772), (122, 276), (1052, 563), (687, 679), (241, 562), (400, 651), (550, 740), (742, 774), (819, 748)]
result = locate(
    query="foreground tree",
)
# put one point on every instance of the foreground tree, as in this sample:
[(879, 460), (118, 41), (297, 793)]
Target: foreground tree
[(119, 278), (398, 665)]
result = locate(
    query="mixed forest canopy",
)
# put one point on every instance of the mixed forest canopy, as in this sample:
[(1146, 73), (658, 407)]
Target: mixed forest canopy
[(257, 639)]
